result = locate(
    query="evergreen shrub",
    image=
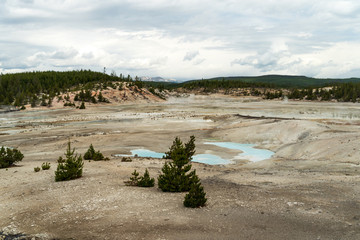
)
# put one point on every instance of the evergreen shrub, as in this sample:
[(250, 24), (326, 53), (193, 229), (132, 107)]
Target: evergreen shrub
[(69, 168), (8, 157)]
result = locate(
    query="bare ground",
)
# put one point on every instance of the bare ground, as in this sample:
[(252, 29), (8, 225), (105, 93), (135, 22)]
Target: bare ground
[(310, 188)]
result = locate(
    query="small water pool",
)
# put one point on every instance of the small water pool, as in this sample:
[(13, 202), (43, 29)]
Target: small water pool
[(248, 152), (210, 159), (146, 153)]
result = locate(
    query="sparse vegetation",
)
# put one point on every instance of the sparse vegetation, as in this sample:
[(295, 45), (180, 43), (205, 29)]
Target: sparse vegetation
[(175, 176), (143, 181), (45, 166), (8, 157), (36, 169), (134, 180), (69, 168)]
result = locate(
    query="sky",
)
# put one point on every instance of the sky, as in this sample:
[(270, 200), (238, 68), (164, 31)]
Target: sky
[(187, 39)]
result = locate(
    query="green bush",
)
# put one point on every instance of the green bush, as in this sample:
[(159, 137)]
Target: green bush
[(175, 176), (36, 169), (126, 159), (69, 104), (134, 180), (146, 181), (91, 154), (196, 196), (69, 168), (45, 166), (82, 106), (9, 157)]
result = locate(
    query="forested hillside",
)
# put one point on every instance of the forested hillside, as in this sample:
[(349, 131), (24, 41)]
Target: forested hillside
[(40, 88), (283, 81), (278, 86), (21, 88)]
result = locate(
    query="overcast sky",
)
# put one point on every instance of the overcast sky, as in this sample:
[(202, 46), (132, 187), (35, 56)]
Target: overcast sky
[(184, 39)]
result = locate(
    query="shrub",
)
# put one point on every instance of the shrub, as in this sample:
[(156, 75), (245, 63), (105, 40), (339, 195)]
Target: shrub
[(36, 169), (82, 106), (9, 157), (146, 181), (126, 159), (91, 154), (134, 180), (175, 176), (45, 166), (196, 196), (71, 167), (69, 104)]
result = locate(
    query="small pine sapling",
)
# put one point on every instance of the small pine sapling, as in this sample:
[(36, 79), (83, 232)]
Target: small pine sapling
[(69, 168), (146, 181), (91, 154), (134, 180), (196, 196), (82, 106)]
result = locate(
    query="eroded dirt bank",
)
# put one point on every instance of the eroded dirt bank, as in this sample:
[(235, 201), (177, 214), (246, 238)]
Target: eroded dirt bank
[(310, 188)]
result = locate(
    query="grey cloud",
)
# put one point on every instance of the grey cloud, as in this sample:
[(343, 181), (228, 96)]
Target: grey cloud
[(199, 61), (190, 55), (268, 61), (238, 27), (88, 55), (64, 54)]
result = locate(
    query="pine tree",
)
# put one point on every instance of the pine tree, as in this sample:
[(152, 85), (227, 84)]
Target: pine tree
[(100, 97), (134, 180), (91, 154), (82, 106), (9, 157), (69, 168), (196, 196), (175, 176), (146, 181)]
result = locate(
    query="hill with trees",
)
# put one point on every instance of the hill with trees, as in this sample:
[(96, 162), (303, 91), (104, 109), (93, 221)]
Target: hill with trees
[(279, 81), (41, 88)]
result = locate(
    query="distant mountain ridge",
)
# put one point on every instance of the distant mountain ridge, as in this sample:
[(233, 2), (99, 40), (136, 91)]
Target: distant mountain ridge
[(158, 79)]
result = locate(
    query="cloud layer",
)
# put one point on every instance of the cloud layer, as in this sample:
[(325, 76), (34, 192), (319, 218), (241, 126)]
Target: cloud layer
[(182, 39)]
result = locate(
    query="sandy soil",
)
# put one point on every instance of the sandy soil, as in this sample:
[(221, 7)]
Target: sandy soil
[(310, 188)]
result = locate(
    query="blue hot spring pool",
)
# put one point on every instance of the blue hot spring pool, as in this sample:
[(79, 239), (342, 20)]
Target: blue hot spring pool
[(248, 152)]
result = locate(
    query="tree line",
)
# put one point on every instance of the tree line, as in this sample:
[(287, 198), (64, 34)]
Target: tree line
[(345, 92), (39, 88)]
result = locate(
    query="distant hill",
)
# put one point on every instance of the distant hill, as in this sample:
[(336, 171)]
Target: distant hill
[(285, 81), (157, 79)]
